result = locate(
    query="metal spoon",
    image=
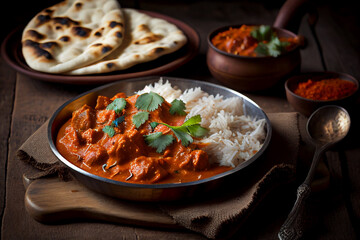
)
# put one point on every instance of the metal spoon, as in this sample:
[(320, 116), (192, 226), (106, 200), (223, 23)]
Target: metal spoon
[(326, 126)]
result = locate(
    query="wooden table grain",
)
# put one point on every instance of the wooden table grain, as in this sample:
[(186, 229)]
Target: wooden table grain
[(334, 212)]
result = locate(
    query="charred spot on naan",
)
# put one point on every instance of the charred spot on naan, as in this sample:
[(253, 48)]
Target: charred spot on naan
[(96, 44), (37, 49), (49, 45), (49, 11), (157, 50), (33, 34), (113, 24), (41, 19), (65, 21), (80, 31), (143, 28), (64, 38), (106, 49), (119, 34), (98, 32), (110, 65), (149, 39), (58, 22), (78, 5)]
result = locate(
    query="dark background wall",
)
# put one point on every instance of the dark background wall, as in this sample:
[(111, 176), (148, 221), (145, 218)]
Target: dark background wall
[(14, 13)]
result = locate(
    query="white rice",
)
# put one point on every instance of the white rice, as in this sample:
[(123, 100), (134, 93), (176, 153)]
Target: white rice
[(233, 137)]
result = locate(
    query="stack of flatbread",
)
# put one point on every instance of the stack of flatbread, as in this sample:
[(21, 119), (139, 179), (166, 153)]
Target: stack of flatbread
[(79, 37)]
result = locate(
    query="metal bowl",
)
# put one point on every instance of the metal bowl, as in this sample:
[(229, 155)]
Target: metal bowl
[(150, 192)]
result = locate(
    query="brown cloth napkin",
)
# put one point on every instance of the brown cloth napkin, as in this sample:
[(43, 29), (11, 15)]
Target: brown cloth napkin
[(215, 215)]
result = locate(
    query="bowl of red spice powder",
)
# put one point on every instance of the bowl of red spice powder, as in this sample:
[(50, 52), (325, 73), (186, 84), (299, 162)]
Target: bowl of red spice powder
[(309, 91)]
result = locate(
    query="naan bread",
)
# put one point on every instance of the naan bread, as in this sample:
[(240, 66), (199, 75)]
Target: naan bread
[(146, 38), (72, 34)]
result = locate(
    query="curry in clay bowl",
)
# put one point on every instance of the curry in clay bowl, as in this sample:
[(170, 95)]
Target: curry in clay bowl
[(243, 61), (257, 57), (309, 91)]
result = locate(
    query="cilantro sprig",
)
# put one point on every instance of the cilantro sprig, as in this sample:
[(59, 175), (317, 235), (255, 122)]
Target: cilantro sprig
[(117, 105), (158, 140), (185, 133), (269, 43), (177, 107), (262, 33), (109, 130), (140, 118), (149, 101), (190, 128)]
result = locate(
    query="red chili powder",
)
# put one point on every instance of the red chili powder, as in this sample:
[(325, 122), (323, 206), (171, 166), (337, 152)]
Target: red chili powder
[(326, 89)]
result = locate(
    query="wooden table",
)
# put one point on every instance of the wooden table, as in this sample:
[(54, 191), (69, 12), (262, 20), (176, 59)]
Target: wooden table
[(335, 212)]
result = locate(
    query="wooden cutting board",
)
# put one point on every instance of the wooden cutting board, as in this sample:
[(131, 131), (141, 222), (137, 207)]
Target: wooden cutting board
[(51, 200)]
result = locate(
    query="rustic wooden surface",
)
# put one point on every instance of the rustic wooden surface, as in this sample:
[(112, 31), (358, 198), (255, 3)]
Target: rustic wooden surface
[(51, 200), (334, 212)]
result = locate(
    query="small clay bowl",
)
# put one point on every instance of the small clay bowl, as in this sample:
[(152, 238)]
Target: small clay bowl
[(307, 106), (251, 74)]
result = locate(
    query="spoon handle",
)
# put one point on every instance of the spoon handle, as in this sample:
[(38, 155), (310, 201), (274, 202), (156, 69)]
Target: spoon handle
[(292, 227)]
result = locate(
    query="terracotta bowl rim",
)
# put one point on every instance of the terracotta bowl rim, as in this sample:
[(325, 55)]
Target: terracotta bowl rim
[(297, 78), (217, 30)]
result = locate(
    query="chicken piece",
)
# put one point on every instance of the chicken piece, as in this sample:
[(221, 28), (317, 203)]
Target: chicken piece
[(94, 154), (118, 95), (196, 160), (147, 168), (199, 159), (91, 135), (83, 119), (105, 117), (124, 147), (71, 139), (102, 102)]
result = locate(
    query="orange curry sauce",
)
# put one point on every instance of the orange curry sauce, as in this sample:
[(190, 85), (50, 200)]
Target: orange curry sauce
[(127, 156), (239, 41)]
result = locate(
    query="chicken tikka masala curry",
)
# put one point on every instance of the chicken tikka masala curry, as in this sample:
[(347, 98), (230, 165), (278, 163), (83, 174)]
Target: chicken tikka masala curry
[(137, 139)]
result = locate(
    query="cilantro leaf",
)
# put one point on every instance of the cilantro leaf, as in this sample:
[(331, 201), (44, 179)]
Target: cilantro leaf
[(117, 121), (193, 120), (273, 48), (149, 101), (197, 130), (276, 47), (153, 125), (177, 107), (117, 105), (109, 130), (262, 33), (262, 49), (158, 140), (190, 128), (183, 136), (269, 44), (140, 118)]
